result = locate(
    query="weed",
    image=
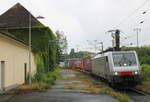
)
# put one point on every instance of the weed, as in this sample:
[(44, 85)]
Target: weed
[(104, 88), (144, 86), (145, 72)]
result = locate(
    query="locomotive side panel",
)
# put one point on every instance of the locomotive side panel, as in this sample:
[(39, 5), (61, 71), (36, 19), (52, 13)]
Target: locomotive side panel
[(100, 67)]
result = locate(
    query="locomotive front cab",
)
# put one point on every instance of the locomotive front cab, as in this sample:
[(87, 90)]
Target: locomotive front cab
[(126, 69)]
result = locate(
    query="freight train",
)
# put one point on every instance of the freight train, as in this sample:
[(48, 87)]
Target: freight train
[(116, 67)]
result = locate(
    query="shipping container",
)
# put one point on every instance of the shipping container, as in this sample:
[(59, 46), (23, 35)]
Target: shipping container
[(87, 64)]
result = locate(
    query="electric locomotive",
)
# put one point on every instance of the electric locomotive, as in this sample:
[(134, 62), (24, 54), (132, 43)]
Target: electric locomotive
[(118, 67)]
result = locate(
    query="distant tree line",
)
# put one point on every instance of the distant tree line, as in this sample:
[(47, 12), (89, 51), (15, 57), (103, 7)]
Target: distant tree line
[(79, 54)]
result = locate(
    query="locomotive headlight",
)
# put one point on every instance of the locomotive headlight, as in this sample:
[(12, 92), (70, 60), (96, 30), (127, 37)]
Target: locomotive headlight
[(135, 72), (125, 64), (116, 73)]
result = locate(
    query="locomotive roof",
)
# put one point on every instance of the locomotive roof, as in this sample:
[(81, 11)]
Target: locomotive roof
[(110, 52), (74, 59)]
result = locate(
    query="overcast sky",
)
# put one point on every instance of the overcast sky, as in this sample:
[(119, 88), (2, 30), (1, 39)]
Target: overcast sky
[(83, 20)]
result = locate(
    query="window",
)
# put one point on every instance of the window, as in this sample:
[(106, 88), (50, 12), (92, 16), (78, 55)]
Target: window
[(124, 59)]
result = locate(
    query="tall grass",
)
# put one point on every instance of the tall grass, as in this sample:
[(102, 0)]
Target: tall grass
[(145, 76), (45, 80), (104, 88), (145, 72)]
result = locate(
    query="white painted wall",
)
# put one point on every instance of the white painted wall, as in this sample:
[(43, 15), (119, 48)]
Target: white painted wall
[(15, 54)]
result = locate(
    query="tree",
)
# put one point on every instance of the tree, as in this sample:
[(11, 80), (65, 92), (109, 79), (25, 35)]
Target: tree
[(80, 54), (72, 53), (62, 46)]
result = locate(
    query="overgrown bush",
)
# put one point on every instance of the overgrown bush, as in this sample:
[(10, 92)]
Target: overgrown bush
[(145, 59), (45, 80), (145, 72)]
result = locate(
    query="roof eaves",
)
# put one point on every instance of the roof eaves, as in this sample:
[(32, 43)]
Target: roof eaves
[(13, 37)]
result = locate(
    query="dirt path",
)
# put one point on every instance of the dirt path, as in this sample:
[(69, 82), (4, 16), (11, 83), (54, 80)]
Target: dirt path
[(72, 87), (76, 82)]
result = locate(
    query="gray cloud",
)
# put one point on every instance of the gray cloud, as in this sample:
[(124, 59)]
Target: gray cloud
[(83, 20)]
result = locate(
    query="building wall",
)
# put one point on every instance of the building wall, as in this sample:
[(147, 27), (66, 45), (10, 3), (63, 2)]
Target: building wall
[(13, 56)]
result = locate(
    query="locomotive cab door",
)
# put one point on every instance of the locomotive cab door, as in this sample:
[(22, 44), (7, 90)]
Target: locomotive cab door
[(106, 67)]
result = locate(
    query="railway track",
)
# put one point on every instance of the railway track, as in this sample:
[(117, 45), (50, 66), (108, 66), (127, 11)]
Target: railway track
[(139, 92), (137, 95), (133, 91)]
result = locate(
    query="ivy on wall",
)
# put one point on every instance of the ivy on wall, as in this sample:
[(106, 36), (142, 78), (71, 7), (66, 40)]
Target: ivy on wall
[(40, 44)]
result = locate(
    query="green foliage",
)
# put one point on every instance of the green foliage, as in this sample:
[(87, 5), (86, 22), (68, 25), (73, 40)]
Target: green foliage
[(145, 72), (104, 88), (40, 85), (62, 46), (52, 53), (121, 97), (45, 80), (72, 53), (39, 63), (145, 59), (144, 86), (40, 43), (40, 37), (80, 54)]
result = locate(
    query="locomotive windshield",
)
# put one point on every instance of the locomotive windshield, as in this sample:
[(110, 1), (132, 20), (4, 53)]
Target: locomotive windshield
[(124, 59)]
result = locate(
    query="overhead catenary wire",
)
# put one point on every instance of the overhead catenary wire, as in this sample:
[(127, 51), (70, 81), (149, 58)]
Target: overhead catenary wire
[(127, 37), (124, 40), (134, 12), (138, 21)]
